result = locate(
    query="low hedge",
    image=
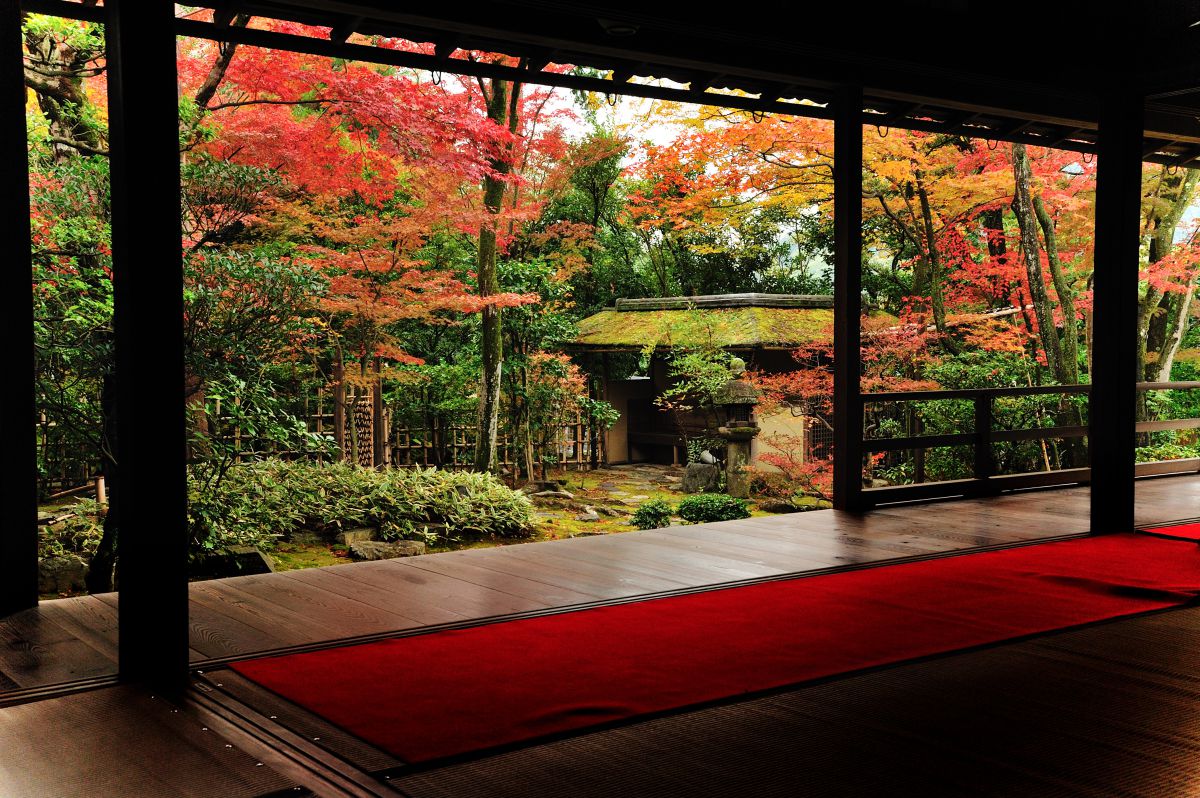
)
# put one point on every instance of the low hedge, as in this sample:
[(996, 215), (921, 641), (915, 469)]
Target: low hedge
[(258, 503), (652, 514), (705, 507)]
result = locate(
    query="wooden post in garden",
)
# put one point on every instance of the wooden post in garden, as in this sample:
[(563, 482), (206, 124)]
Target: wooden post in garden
[(847, 299), (148, 334), (1113, 400), (18, 476)]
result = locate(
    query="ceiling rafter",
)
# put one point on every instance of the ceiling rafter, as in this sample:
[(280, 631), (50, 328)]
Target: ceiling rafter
[(926, 114)]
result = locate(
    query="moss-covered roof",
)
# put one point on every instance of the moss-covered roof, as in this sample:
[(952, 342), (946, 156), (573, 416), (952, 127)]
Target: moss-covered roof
[(733, 328)]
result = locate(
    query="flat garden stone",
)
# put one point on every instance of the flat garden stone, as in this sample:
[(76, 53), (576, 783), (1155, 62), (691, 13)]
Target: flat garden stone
[(237, 561), (554, 494), (380, 550)]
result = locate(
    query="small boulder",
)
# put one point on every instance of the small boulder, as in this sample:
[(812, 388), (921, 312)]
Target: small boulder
[(589, 514), (701, 478), (379, 550), (66, 574)]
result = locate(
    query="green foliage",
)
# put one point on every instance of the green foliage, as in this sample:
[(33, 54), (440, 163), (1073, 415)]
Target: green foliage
[(652, 514), (72, 306), (429, 391), (705, 507), (243, 309), (258, 503), (698, 375), (253, 419), (79, 533), (1184, 404), (1166, 451), (698, 446)]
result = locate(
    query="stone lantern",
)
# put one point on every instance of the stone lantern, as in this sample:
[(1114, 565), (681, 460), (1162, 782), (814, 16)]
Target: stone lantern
[(736, 402)]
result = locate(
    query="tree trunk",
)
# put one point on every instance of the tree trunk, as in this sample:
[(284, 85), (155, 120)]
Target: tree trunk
[(1162, 317), (1069, 367), (1022, 206), (932, 258), (1175, 324), (501, 109)]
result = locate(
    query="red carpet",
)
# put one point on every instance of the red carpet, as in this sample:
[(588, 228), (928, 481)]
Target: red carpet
[(452, 692), (1178, 532)]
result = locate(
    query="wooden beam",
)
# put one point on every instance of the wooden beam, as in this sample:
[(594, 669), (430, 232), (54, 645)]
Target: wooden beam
[(847, 293), (344, 28), (18, 461), (1115, 302), (151, 492)]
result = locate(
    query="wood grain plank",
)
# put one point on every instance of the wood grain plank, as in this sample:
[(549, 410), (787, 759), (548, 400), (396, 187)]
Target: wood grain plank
[(468, 571)]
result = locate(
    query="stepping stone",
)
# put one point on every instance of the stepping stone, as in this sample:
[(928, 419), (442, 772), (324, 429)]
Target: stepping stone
[(589, 514), (554, 494), (379, 550)]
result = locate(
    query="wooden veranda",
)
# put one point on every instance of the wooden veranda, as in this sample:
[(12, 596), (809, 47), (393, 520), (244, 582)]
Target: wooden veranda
[(76, 639), (232, 739)]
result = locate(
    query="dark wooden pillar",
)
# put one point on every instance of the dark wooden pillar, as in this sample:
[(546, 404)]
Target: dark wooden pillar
[(151, 497), (18, 456), (847, 299), (1115, 296)]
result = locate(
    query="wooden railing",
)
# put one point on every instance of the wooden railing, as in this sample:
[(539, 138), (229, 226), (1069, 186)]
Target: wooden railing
[(984, 480)]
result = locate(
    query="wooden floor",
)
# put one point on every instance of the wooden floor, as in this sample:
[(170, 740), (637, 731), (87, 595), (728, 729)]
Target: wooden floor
[(1110, 710), (121, 743), (71, 639)]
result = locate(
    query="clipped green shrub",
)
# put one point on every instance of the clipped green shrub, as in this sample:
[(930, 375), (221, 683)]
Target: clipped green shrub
[(652, 514), (704, 507), (258, 503)]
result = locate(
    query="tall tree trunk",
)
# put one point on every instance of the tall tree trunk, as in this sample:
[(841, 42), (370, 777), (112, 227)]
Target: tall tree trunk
[(1162, 316), (1022, 206), (932, 257), (502, 99), (1175, 321), (1069, 367)]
